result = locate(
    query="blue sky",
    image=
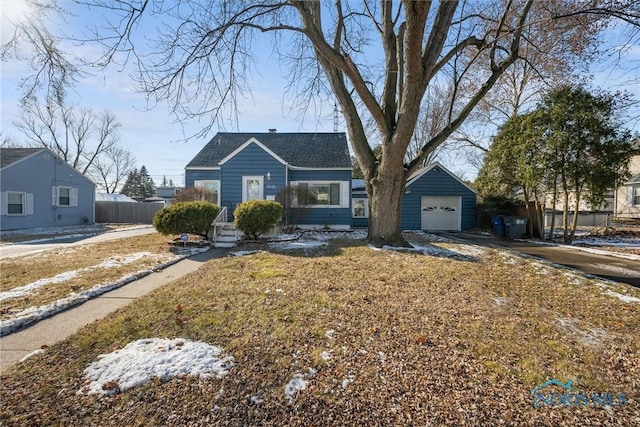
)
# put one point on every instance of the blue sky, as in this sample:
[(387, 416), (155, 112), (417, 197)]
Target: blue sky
[(154, 136)]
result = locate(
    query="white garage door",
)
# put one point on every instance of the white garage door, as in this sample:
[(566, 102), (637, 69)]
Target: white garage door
[(441, 213)]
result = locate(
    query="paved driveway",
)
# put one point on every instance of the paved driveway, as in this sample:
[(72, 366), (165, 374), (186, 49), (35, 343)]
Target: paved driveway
[(605, 266), (10, 250)]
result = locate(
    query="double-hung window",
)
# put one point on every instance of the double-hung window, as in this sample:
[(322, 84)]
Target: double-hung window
[(64, 196), (16, 203), (636, 195)]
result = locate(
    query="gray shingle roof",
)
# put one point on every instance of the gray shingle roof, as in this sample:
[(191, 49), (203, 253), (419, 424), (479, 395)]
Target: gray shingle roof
[(311, 150), (9, 156)]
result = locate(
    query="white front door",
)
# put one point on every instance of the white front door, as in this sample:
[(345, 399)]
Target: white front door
[(252, 188), (441, 213)]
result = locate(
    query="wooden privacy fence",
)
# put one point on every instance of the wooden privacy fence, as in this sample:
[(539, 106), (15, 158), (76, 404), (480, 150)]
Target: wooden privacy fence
[(122, 212)]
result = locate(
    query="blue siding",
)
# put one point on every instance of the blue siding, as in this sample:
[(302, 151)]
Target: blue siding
[(38, 175), (436, 182), (191, 176), (325, 216), (252, 161)]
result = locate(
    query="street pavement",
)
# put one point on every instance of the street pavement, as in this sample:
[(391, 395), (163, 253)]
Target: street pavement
[(10, 250), (605, 266), (57, 328)]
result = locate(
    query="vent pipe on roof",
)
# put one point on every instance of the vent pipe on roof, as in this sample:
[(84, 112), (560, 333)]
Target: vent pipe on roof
[(273, 130)]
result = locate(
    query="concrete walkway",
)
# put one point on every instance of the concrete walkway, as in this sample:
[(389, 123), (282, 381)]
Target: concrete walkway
[(57, 328)]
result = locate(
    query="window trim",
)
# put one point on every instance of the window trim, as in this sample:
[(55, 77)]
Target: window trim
[(73, 196), (366, 207), (199, 182), (635, 195), (23, 204)]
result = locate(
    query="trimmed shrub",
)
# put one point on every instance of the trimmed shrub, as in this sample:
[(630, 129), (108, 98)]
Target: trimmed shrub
[(256, 216), (186, 217)]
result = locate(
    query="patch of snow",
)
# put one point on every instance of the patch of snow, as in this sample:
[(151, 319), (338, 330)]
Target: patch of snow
[(255, 400), (500, 300), (348, 380), (140, 361), (330, 235), (428, 250), (30, 355), (330, 334), (24, 290), (296, 245), (430, 237), (591, 336), (326, 355), (382, 358), (295, 384), (621, 297), (242, 253)]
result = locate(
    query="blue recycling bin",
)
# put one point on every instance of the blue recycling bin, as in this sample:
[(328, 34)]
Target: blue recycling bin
[(498, 226)]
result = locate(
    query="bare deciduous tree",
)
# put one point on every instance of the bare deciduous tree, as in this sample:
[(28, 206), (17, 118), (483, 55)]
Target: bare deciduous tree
[(78, 136), (111, 168), (377, 59)]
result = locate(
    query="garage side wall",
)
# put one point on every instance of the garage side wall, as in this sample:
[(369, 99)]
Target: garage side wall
[(437, 181)]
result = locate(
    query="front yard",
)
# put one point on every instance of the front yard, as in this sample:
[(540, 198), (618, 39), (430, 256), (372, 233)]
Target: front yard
[(332, 332)]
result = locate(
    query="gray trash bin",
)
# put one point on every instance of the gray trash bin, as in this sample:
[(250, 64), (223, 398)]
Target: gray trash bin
[(515, 226)]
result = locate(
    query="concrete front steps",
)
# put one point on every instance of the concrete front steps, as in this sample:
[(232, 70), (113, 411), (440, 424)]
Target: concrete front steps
[(228, 236)]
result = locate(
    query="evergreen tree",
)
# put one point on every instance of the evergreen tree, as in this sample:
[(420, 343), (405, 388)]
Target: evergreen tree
[(147, 186), (164, 181), (131, 185)]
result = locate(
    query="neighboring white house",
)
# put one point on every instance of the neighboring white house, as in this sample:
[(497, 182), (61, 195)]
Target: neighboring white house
[(39, 189)]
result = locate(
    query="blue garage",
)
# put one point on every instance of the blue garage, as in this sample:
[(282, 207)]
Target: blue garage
[(435, 199)]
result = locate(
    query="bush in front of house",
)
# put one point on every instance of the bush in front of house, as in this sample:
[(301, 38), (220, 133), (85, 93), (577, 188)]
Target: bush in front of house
[(257, 216), (186, 217)]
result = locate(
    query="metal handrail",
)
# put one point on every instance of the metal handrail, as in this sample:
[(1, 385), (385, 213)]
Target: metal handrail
[(220, 221)]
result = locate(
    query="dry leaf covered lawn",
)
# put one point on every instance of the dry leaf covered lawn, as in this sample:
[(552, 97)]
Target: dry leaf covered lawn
[(77, 268), (382, 338)]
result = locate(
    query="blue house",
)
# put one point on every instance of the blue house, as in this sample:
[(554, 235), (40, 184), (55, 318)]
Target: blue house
[(238, 167), (435, 199), (38, 189)]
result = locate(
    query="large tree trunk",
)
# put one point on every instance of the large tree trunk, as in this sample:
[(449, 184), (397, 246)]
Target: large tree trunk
[(385, 198)]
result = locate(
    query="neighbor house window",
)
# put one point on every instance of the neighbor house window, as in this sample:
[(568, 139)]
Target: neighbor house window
[(636, 195), (212, 185), (16, 203), (65, 196), (360, 208)]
